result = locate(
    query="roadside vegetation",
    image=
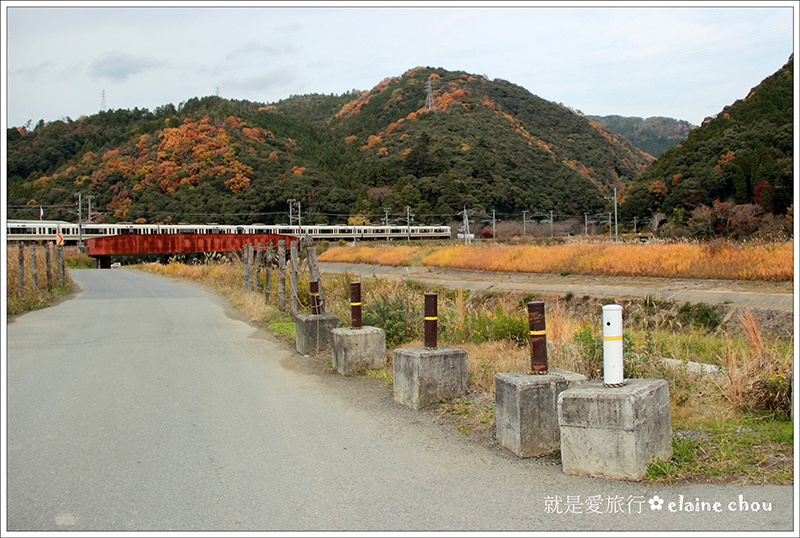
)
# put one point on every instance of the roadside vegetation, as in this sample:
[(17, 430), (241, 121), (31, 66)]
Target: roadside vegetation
[(730, 425), (36, 295)]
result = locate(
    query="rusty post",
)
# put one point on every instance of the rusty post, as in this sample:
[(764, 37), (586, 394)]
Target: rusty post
[(315, 302), (537, 337), (431, 320), (355, 304)]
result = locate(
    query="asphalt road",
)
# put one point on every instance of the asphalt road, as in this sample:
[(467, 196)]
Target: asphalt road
[(770, 295), (146, 404)]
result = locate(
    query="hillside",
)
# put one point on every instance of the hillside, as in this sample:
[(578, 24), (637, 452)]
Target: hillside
[(652, 135), (489, 145), (743, 156)]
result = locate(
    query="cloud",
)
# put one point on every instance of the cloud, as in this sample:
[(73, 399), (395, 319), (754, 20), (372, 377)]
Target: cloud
[(267, 80), (119, 66), (253, 48), (33, 72)]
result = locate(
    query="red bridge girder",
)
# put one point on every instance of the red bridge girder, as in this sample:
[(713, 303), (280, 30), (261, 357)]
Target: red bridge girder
[(178, 243)]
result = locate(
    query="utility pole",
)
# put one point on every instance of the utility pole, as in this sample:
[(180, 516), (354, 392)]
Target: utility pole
[(299, 218), (616, 233), (524, 222), (89, 214), (386, 216), (494, 235), (409, 218), (466, 227), (80, 218), (586, 224), (291, 202), (551, 224)]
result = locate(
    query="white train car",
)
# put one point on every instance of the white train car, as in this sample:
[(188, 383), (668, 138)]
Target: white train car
[(71, 233)]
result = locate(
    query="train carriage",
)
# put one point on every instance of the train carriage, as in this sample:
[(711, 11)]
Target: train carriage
[(71, 233)]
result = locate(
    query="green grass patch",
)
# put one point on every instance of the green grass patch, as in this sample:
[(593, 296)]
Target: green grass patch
[(730, 451)]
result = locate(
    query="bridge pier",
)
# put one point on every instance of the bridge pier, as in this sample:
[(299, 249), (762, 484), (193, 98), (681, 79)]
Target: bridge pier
[(101, 262)]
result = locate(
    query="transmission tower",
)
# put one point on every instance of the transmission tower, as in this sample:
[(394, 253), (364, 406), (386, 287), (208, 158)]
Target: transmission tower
[(103, 102), (429, 106)]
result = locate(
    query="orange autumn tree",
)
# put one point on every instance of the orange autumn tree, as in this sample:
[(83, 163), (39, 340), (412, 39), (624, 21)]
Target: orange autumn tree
[(188, 154)]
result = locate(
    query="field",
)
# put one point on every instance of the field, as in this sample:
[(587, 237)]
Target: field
[(725, 260)]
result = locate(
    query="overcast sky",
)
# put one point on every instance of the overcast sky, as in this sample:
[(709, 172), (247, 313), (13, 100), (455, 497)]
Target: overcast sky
[(648, 59)]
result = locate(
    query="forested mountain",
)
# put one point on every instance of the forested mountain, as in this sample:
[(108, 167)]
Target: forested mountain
[(485, 145), (652, 135), (743, 156)]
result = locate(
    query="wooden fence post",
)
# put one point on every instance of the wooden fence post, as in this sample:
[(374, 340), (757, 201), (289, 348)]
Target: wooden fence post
[(282, 275), (313, 269), (267, 273), (34, 269), (21, 273), (62, 271), (257, 281), (47, 267), (293, 276), (244, 266)]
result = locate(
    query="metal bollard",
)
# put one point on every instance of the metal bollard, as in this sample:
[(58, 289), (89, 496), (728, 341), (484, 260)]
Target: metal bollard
[(431, 320), (612, 346), (355, 305), (537, 337), (315, 303)]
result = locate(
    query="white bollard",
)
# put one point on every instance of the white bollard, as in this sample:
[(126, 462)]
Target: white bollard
[(612, 345)]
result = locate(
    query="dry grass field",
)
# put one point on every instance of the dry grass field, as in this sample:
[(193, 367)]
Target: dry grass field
[(727, 260)]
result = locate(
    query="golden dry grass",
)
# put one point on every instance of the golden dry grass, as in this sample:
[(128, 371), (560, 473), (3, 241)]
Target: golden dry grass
[(726, 260)]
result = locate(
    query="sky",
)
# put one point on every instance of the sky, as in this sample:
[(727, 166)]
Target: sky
[(684, 60)]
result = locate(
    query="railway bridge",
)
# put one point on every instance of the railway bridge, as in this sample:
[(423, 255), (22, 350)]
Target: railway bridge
[(102, 248)]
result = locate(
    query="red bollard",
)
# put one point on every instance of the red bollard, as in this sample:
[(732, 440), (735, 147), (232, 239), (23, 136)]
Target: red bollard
[(315, 306), (355, 305), (538, 337), (431, 320)]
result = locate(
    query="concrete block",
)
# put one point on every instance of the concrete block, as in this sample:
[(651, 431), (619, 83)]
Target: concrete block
[(358, 349), (526, 410), (426, 376), (614, 432), (313, 332)]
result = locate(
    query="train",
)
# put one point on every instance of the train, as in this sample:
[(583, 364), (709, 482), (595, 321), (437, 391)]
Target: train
[(62, 232)]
